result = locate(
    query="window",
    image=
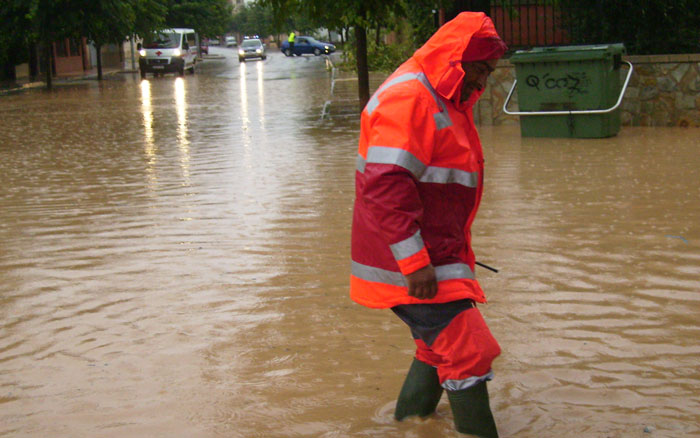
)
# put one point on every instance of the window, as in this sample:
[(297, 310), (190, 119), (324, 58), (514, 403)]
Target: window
[(162, 40)]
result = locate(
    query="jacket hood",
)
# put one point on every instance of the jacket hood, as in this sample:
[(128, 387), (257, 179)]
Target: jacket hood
[(441, 56)]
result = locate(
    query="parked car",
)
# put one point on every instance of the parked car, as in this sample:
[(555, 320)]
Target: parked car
[(307, 45), (231, 41), (251, 48), (213, 41)]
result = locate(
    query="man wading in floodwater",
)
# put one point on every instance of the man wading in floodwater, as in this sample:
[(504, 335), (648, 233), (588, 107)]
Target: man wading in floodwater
[(418, 185)]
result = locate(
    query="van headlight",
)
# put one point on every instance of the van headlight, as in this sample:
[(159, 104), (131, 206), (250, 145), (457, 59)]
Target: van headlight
[(258, 50), (177, 52), (241, 52), (142, 52)]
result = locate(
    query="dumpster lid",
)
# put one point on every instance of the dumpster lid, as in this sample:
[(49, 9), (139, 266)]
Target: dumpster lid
[(567, 53)]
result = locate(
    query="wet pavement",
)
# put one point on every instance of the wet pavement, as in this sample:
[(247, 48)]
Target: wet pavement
[(174, 261)]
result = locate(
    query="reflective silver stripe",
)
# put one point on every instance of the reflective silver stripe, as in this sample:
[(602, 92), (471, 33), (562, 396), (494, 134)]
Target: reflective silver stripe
[(399, 157), (442, 118), (360, 163), (374, 101), (408, 247), (456, 385), (426, 174), (453, 272), (446, 175), (378, 275)]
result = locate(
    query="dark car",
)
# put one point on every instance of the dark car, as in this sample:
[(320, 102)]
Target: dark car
[(307, 45), (251, 48)]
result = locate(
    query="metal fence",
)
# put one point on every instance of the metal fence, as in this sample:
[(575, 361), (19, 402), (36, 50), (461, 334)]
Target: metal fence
[(528, 23), (523, 23)]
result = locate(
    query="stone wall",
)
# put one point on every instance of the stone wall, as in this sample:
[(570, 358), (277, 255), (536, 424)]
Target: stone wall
[(664, 90)]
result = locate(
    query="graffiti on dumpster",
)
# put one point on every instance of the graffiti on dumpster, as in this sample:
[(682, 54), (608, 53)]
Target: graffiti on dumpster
[(573, 83)]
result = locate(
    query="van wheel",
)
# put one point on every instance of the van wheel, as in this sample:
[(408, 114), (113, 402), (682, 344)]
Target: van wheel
[(181, 71), (192, 69)]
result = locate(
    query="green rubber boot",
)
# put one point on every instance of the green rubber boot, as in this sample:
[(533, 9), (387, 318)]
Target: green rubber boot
[(471, 411), (420, 393)]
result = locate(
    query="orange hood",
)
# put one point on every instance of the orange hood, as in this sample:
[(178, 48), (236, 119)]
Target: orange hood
[(440, 57)]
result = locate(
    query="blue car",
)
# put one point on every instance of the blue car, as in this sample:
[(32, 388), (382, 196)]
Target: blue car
[(307, 45)]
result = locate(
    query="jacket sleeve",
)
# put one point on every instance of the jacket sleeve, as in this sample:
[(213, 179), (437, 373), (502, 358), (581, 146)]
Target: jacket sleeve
[(400, 144)]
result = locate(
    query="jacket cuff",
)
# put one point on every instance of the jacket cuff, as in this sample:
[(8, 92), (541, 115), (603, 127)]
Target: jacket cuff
[(415, 262)]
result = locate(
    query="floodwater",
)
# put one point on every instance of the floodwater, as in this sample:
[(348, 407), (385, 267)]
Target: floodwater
[(174, 261)]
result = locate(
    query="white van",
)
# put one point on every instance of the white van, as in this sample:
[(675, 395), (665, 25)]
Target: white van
[(168, 51)]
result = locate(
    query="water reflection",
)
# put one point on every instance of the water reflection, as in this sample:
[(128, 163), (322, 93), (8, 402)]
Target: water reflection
[(183, 142), (149, 145), (261, 93), (245, 118)]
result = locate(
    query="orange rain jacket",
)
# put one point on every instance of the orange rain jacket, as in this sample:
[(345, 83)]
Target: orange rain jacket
[(419, 175)]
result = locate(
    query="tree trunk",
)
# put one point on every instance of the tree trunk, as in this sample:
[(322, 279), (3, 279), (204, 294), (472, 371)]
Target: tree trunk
[(9, 73), (48, 59), (33, 62), (379, 31), (362, 70), (98, 49)]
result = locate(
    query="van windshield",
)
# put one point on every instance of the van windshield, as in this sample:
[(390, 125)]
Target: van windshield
[(163, 40)]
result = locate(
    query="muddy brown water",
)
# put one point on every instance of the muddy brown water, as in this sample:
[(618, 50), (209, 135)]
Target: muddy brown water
[(174, 261)]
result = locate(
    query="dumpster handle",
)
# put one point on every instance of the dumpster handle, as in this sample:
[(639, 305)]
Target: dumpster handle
[(557, 113)]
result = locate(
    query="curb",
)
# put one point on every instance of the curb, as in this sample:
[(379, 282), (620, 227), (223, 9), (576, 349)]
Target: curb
[(63, 81)]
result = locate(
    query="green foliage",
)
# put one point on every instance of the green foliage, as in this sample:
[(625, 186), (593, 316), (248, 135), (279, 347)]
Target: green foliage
[(46, 21), (253, 19), (645, 26), (106, 21), (335, 14), (14, 38), (206, 17), (42, 22), (410, 27), (149, 15), (421, 17), (382, 57)]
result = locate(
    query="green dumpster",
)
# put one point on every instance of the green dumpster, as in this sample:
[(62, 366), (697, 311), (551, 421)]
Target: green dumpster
[(569, 91)]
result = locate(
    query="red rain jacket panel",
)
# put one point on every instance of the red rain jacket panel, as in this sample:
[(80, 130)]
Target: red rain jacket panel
[(419, 176)]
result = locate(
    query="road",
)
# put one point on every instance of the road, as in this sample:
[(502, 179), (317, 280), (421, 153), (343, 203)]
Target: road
[(174, 262)]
